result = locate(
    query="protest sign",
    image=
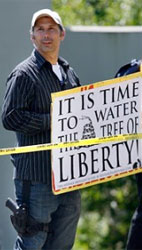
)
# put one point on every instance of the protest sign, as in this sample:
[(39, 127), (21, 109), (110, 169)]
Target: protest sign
[(108, 108)]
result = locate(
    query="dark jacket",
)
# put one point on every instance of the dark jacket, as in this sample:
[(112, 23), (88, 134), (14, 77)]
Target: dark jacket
[(130, 68), (26, 110)]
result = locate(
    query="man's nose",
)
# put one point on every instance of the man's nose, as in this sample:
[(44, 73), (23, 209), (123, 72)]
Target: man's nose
[(46, 33)]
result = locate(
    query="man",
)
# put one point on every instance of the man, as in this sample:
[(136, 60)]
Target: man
[(134, 241), (26, 110)]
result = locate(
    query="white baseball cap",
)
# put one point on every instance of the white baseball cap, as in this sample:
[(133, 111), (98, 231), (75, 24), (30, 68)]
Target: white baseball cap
[(46, 12)]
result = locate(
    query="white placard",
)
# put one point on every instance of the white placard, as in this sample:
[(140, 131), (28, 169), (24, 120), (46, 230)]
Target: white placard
[(98, 110)]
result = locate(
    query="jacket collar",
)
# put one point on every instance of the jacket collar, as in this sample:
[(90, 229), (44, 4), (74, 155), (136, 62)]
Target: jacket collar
[(39, 60)]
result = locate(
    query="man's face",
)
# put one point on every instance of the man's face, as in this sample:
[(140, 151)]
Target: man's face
[(47, 36)]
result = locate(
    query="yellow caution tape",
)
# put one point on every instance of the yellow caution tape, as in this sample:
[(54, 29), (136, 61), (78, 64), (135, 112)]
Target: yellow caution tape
[(86, 142)]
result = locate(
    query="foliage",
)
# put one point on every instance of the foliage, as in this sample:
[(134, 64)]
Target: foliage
[(74, 12), (106, 213), (118, 12), (96, 12), (106, 208)]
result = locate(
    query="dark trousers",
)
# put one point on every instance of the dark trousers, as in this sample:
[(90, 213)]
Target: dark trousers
[(60, 211), (134, 241), (135, 232)]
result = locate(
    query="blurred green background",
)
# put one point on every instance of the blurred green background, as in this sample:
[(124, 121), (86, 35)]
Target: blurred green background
[(99, 12)]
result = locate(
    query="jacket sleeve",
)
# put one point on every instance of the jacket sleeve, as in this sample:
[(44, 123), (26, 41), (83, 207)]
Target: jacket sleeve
[(16, 114)]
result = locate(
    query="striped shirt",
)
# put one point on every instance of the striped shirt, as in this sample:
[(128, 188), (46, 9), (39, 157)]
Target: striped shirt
[(26, 110)]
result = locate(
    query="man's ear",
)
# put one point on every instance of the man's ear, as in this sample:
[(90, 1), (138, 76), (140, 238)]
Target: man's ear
[(32, 37), (63, 33)]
